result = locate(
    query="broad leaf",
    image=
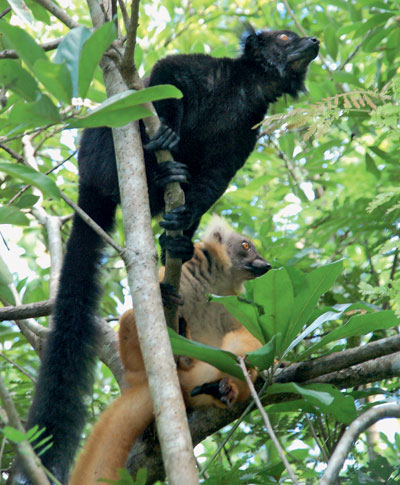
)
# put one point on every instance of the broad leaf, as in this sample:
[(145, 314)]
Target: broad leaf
[(16, 78), (356, 326), (324, 396), (316, 284), (336, 313), (69, 52), (23, 43), (56, 78), (275, 293), (32, 177), (120, 109), (91, 53), (12, 215), (246, 313), (39, 113), (20, 8), (264, 356), (221, 359)]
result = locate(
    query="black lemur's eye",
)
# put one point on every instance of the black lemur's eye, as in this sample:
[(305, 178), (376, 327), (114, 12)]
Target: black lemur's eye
[(245, 245), (284, 37)]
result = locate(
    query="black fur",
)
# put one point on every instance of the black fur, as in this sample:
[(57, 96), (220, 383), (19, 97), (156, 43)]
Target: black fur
[(223, 99)]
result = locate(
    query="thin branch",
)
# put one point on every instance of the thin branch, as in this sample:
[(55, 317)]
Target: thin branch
[(21, 369), (353, 431), (51, 170), (350, 57), (58, 12), (93, 225), (25, 452), (5, 12), (320, 444), (47, 46), (127, 59), (267, 421), (125, 15), (29, 310)]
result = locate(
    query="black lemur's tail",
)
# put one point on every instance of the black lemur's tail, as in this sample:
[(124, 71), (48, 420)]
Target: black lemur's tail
[(66, 371)]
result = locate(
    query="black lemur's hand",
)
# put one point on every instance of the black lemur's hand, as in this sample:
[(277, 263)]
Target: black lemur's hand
[(164, 139), (180, 247), (171, 171), (180, 218), (169, 295)]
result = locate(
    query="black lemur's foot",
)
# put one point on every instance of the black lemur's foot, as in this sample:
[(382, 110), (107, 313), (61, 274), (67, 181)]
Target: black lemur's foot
[(163, 139), (169, 295), (180, 247), (171, 171), (180, 218)]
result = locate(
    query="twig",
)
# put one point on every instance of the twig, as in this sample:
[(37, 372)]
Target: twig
[(25, 452), (320, 444), (5, 12), (29, 310), (125, 15), (130, 44), (21, 369), (353, 431), (26, 187), (47, 46), (58, 13), (350, 57), (230, 433), (93, 225), (267, 421)]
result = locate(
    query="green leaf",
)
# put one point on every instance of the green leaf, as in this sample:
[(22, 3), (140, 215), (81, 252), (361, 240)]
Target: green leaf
[(371, 167), (331, 42), (5, 275), (356, 326), (14, 435), (32, 177), (56, 78), (39, 113), (120, 109), (69, 52), (16, 78), (275, 293), (264, 356), (324, 396), (20, 8), (245, 313), (316, 283), (26, 201), (91, 53), (221, 359), (11, 215), (338, 311), (23, 43)]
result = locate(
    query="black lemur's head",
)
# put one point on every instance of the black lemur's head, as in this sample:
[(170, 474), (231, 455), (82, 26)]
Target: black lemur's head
[(281, 53)]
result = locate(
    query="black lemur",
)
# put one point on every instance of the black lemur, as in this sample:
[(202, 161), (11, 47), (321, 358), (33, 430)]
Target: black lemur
[(210, 134)]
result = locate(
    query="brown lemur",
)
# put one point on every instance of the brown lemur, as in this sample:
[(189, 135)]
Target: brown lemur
[(221, 263)]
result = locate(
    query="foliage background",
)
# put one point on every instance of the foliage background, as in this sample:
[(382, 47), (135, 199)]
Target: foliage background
[(321, 185)]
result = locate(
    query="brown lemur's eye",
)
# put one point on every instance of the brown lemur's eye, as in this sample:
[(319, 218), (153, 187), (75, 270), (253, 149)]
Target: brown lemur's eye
[(284, 37), (245, 245)]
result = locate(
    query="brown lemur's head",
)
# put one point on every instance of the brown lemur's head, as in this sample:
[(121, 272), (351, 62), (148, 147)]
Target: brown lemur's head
[(235, 257)]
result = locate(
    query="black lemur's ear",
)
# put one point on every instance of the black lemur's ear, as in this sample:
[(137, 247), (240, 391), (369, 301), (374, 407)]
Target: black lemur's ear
[(248, 37), (262, 48)]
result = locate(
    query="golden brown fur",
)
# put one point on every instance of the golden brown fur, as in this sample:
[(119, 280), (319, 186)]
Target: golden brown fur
[(216, 267)]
